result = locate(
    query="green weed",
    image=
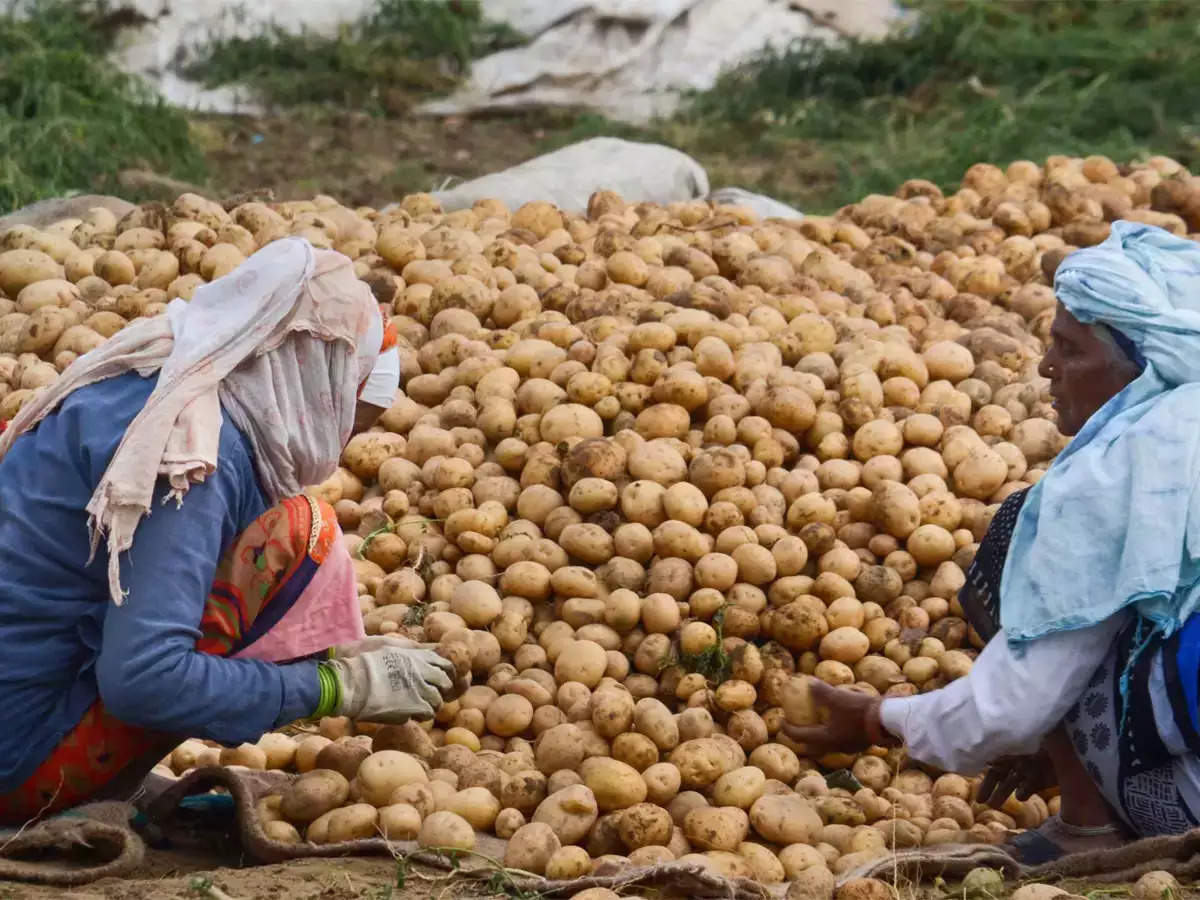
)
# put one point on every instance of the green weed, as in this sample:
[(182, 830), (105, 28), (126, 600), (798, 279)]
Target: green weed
[(712, 662), (967, 81), (69, 121), (406, 49), (970, 81)]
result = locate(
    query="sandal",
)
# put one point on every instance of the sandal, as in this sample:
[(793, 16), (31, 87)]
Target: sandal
[(1034, 847)]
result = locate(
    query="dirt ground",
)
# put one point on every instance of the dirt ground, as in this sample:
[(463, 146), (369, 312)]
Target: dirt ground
[(173, 876), (372, 160), (222, 875), (361, 159)]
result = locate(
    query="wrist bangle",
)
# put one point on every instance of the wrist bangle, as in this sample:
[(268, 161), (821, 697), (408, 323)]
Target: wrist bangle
[(331, 690)]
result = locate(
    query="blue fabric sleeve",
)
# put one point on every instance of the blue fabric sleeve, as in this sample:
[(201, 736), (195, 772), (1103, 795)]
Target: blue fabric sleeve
[(148, 670)]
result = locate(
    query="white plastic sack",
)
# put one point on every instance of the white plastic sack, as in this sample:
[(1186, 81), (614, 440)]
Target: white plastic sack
[(634, 59), (567, 177), (765, 207)]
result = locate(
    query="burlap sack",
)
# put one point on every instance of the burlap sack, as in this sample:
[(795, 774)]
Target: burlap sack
[(97, 841)]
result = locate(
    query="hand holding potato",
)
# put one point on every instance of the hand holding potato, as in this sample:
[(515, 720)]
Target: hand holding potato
[(1026, 775), (851, 721), (391, 684)]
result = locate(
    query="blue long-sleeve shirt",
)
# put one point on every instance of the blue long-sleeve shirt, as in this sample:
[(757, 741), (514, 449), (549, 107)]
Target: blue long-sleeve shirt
[(63, 643)]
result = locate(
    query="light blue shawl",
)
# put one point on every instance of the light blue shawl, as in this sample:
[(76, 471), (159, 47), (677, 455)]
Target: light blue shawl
[(1115, 522)]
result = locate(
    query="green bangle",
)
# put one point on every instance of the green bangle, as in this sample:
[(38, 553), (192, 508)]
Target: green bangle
[(331, 692)]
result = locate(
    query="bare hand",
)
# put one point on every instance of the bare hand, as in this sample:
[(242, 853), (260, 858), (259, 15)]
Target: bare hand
[(852, 724), (1024, 775)]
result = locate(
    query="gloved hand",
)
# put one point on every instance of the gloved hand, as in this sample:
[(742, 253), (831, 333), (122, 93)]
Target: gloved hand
[(389, 684)]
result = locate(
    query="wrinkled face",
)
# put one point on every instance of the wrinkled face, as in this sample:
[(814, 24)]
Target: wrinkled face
[(1085, 371)]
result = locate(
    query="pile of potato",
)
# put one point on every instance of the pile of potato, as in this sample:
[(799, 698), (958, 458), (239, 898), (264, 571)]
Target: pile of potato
[(652, 463)]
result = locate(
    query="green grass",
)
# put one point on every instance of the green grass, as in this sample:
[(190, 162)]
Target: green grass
[(405, 49), (818, 126), (972, 81), (68, 120)]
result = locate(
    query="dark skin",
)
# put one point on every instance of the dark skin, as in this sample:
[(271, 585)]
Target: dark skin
[(1085, 372), (365, 416)]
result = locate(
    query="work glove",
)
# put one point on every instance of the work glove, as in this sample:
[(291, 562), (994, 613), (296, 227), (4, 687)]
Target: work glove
[(389, 684), (375, 642)]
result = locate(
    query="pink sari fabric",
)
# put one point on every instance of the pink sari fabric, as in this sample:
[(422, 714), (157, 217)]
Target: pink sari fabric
[(326, 614)]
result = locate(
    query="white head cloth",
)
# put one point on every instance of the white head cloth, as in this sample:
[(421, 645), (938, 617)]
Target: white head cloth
[(282, 343)]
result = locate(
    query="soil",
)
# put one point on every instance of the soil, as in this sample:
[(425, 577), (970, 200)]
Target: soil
[(359, 158), (191, 876), (372, 160)]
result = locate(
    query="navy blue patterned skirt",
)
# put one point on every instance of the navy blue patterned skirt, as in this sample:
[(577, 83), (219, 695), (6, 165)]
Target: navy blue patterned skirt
[(1120, 743)]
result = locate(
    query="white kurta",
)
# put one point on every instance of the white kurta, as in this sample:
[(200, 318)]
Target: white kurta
[(1005, 706)]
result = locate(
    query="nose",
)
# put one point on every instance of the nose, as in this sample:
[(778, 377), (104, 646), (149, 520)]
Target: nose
[(1046, 366)]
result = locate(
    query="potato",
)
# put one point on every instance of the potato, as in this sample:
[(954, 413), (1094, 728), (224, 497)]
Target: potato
[(283, 832), (352, 823), (813, 883), (644, 825), (561, 747), (571, 812), (739, 788), (476, 602), (475, 804), (382, 773), (399, 822), (864, 889), (581, 661), (531, 848), (344, 755), (784, 819), (614, 784), (312, 795), (446, 830), (662, 782), (700, 761), (246, 755), (20, 268), (713, 828), (509, 715), (1157, 885)]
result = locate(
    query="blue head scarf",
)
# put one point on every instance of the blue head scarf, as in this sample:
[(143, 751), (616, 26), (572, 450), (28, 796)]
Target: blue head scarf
[(1115, 522)]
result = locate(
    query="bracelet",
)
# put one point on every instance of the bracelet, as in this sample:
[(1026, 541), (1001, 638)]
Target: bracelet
[(331, 692)]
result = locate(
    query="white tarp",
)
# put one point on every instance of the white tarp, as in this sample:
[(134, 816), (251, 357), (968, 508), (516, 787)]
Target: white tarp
[(629, 59), (634, 59), (640, 173), (567, 177), (168, 33), (765, 207)]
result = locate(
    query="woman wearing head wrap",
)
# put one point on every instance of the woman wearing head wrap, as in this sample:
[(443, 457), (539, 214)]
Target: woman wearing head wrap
[(162, 574), (1086, 585)]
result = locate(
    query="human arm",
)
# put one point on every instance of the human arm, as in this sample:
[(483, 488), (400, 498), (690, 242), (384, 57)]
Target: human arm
[(1002, 708), (148, 670), (1006, 705)]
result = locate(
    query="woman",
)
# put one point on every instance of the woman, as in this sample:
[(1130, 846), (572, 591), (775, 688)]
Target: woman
[(1086, 584), (161, 572)]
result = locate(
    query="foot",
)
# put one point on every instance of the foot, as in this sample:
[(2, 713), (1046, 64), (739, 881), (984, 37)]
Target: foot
[(1055, 838)]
